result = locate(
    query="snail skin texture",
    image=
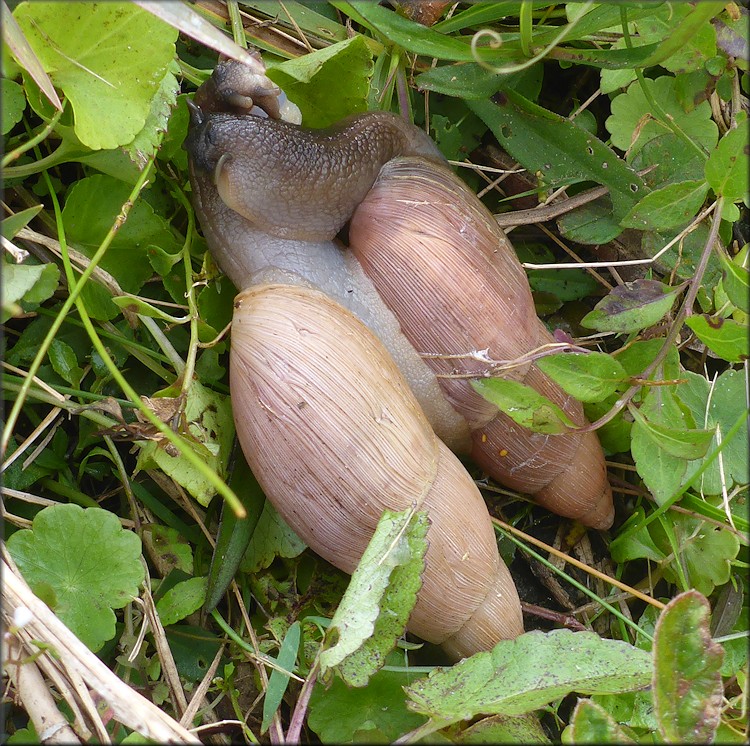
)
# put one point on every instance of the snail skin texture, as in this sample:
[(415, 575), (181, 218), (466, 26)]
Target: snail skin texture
[(338, 411)]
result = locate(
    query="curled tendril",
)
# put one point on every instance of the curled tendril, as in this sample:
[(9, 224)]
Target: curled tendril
[(496, 41)]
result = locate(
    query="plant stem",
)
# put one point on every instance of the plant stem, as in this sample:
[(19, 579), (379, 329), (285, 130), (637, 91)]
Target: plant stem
[(300, 709)]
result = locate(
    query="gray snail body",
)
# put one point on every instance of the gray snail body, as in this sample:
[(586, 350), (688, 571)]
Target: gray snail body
[(337, 411)]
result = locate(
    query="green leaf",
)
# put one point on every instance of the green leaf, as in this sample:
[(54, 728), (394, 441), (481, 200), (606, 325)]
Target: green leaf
[(90, 563), (669, 207), (632, 307), (193, 648), (211, 428), (110, 83), (557, 148), (728, 165), (29, 284), (686, 444), (181, 600), (636, 545), (12, 224), (505, 729), (691, 49), (668, 161), (588, 377), (278, 681), (592, 224), (591, 723), (167, 548), (719, 406), (524, 405), (632, 123), (661, 471), (409, 35), (377, 604), (14, 103), (64, 362), (328, 84), (147, 141), (522, 675), (234, 533), (272, 538), (725, 337), (736, 279), (706, 552), (375, 712), (91, 208), (687, 680)]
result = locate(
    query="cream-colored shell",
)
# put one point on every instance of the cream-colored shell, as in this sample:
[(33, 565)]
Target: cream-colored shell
[(335, 436)]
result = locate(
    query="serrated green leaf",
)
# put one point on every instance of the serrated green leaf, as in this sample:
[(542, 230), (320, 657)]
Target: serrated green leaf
[(328, 84), (111, 83), (146, 142), (726, 337), (382, 592), (524, 405), (632, 123), (278, 681), (687, 680), (669, 207), (181, 600), (89, 561), (14, 103), (522, 675), (728, 165), (588, 377), (632, 307), (706, 552), (591, 723)]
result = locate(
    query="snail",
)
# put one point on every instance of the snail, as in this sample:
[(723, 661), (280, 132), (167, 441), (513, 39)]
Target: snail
[(338, 410)]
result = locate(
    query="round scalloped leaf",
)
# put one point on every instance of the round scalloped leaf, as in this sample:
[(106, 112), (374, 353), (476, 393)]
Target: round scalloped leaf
[(82, 561), (108, 59)]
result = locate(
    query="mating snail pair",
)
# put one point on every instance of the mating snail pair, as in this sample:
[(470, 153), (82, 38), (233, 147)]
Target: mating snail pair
[(350, 365)]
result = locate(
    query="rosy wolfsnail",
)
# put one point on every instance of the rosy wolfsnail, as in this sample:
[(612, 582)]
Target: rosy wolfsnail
[(339, 412)]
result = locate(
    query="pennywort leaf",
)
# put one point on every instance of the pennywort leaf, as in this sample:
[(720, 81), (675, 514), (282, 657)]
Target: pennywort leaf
[(83, 564)]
